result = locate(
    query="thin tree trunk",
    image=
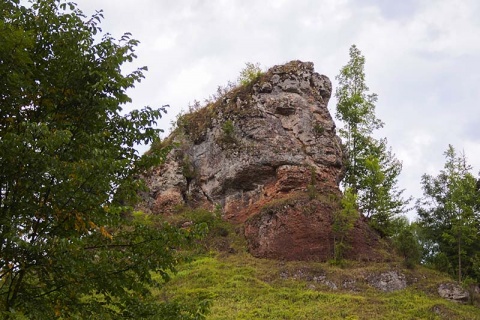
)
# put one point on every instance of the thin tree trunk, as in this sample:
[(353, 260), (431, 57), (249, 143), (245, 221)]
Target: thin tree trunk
[(459, 262)]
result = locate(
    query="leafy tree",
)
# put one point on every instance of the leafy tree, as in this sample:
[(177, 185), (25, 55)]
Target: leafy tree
[(372, 169), (450, 216), (379, 197), (356, 109), (406, 241), (343, 222), (67, 172)]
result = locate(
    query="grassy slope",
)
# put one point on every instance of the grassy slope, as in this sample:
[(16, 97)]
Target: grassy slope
[(243, 287)]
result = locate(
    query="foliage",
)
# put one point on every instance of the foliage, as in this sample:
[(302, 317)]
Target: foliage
[(356, 109), (449, 214), (318, 129), (188, 170), (250, 73), (228, 128), (227, 137), (67, 171), (379, 197), (343, 222), (195, 124), (406, 241), (372, 169)]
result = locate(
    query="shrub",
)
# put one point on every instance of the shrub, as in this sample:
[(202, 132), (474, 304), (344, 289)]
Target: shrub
[(188, 169), (406, 242), (318, 129), (228, 131), (250, 73)]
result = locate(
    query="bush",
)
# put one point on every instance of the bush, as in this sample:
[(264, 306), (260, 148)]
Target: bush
[(250, 73), (406, 242), (318, 129)]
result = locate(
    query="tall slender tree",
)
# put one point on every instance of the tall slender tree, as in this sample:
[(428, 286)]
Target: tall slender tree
[(356, 108), (372, 169)]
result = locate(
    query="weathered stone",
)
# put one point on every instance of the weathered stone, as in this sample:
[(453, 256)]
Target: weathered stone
[(388, 281), (453, 291), (257, 147)]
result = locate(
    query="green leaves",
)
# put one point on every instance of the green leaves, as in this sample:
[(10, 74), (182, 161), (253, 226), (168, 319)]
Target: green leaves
[(371, 168), (407, 242), (68, 166), (343, 222), (354, 106), (449, 216), (250, 73)]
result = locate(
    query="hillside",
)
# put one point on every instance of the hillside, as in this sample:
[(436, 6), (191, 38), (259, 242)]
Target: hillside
[(237, 285), (261, 166), (243, 287)]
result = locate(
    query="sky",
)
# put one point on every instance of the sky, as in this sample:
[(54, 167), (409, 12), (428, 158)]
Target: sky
[(422, 59)]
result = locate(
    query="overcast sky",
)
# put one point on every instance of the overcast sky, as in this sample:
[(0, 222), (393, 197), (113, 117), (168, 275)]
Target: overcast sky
[(422, 59)]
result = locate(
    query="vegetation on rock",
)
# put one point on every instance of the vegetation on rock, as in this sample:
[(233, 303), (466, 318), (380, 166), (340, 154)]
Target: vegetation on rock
[(250, 73)]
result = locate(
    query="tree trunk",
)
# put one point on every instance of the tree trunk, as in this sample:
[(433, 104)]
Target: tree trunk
[(459, 262)]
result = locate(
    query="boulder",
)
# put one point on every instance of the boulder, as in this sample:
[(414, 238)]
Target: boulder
[(388, 281), (453, 292)]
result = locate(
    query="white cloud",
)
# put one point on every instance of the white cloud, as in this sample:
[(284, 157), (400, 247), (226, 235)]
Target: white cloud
[(421, 59)]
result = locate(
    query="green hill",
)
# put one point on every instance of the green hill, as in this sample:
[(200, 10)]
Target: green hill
[(240, 286), (243, 287)]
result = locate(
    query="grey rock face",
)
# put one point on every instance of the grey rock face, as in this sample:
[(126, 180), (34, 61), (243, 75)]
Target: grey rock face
[(234, 152)]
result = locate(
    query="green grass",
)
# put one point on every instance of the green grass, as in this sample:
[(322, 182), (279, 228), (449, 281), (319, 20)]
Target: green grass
[(243, 287)]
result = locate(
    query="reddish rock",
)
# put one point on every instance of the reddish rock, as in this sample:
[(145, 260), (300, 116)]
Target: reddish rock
[(261, 152), (294, 228)]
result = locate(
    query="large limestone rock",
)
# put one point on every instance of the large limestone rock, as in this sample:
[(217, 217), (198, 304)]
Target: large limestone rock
[(269, 156)]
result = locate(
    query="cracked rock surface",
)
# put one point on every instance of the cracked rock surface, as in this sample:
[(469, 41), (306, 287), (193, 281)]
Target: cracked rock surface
[(255, 153)]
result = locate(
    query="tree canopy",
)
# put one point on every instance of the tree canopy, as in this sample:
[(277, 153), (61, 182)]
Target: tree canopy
[(67, 172), (371, 168), (449, 214)]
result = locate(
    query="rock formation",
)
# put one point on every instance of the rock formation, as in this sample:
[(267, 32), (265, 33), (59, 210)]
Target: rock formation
[(268, 155), (453, 292)]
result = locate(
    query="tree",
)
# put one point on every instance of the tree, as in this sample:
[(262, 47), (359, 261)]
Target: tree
[(67, 172), (380, 200), (450, 218), (371, 168), (407, 242), (343, 222), (356, 109)]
